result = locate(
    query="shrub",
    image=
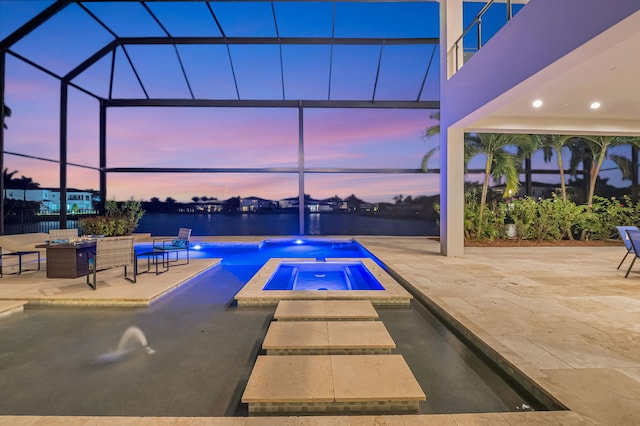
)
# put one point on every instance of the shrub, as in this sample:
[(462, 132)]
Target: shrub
[(523, 212), (550, 219), (492, 218), (119, 219)]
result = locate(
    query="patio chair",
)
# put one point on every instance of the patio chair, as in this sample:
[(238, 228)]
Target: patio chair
[(175, 244), (625, 238), (112, 252), (634, 239), (56, 235)]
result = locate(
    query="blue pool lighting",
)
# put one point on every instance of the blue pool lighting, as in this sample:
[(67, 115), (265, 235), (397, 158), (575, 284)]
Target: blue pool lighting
[(338, 275)]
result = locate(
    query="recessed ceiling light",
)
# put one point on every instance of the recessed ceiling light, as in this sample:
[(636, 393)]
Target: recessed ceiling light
[(595, 105), (537, 103)]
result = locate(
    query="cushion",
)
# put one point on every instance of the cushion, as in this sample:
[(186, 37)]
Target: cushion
[(179, 243)]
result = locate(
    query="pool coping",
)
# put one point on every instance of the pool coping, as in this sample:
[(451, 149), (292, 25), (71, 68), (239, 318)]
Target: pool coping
[(253, 293)]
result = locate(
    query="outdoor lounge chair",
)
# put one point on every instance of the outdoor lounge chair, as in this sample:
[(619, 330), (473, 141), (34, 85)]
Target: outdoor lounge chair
[(625, 238), (62, 234), (634, 239), (175, 244), (112, 252)]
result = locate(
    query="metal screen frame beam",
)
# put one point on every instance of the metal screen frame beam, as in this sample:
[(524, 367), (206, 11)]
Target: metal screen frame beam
[(355, 41), (34, 23), (257, 103)]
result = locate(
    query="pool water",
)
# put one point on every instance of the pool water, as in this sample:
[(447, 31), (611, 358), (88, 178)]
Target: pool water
[(205, 347), (322, 276), (261, 252)]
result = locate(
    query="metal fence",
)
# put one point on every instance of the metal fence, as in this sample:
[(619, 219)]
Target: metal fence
[(25, 221)]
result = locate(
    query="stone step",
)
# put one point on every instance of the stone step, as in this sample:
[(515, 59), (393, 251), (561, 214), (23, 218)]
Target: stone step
[(325, 310), (301, 384), (327, 337)]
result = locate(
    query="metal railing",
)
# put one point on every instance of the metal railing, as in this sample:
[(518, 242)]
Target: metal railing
[(476, 23)]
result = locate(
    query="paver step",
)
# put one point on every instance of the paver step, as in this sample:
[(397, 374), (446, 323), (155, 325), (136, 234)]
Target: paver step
[(327, 337), (332, 383), (325, 310)]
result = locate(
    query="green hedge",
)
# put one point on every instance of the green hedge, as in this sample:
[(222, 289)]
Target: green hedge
[(550, 218)]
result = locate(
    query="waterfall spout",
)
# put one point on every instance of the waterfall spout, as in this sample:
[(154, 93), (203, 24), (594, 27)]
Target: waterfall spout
[(127, 344)]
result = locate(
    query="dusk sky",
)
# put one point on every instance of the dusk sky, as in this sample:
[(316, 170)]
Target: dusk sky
[(226, 137)]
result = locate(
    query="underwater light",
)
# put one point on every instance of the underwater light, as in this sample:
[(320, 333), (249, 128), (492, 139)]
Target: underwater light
[(197, 247), (299, 241)]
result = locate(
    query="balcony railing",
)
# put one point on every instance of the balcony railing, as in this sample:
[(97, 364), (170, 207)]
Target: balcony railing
[(477, 33)]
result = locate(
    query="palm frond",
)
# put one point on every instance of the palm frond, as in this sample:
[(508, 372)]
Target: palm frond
[(547, 153), (579, 153), (427, 157), (624, 164), (506, 164), (6, 112), (435, 129)]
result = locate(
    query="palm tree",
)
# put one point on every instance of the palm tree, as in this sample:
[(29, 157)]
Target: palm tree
[(629, 166), (435, 130), (526, 147), (499, 162), (598, 146), (555, 144), (430, 132), (7, 177)]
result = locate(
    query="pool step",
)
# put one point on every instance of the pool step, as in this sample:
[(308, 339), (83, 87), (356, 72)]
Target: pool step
[(325, 310), (327, 337), (332, 384), (9, 307)]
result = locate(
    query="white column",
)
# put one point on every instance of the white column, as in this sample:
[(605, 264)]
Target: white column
[(451, 139)]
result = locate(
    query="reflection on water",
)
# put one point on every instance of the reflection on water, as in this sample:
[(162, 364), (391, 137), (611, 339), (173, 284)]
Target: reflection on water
[(284, 224)]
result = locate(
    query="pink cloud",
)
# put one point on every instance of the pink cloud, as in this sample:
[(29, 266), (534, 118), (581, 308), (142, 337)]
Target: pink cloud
[(215, 137)]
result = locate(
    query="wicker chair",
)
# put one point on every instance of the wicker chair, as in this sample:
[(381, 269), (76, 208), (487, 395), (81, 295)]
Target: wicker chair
[(112, 252), (62, 234), (175, 244)]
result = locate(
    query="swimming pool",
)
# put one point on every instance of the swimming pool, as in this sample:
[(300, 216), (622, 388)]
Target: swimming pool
[(205, 347), (322, 276), (261, 252)]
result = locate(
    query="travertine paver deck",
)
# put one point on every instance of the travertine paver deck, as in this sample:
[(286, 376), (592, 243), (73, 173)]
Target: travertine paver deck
[(112, 288), (577, 329), (332, 383), (303, 310), (327, 337)]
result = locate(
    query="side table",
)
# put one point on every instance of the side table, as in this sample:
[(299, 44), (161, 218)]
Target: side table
[(157, 257)]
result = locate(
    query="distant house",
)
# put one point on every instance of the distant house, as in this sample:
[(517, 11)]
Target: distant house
[(318, 206), (254, 204), (368, 207), (210, 206), (289, 203), (49, 199)]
